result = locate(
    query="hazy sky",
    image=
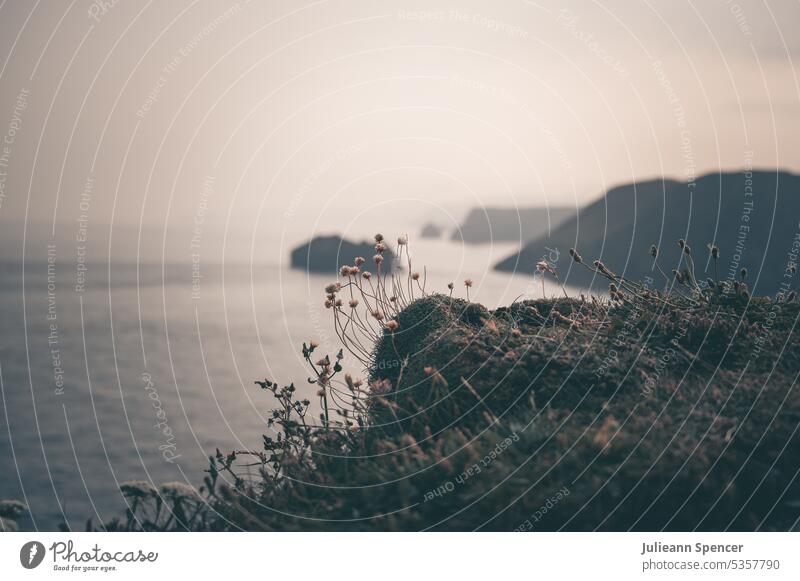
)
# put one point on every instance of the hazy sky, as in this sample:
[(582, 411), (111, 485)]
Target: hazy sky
[(290, 117)]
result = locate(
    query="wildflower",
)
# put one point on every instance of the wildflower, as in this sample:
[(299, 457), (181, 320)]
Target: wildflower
[(654, 251), (358, 383), (392, 325), (344, 271), (324, 362), (415, 276), (328, 303), (575, 256), (468, 282), (338, 303), (377, 315), (378, 237), (320, 393), (353, 303), (333, 288), (380, 248), (313, 344), (359, 260), (402, 240), (450, 285), (392, 299), (377, 258), (541, 266), (602, 268), (380, 386), (367, 275)]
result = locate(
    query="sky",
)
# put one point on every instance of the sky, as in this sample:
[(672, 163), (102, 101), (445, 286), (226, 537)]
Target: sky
[(257, 122)]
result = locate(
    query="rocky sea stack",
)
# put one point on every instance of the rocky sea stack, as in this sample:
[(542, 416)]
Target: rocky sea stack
[(325, 254)]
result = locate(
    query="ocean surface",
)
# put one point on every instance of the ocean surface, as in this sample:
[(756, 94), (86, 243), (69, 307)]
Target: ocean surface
[(147, 369)]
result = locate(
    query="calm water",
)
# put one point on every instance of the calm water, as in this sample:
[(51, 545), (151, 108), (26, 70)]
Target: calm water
[(142, 376)]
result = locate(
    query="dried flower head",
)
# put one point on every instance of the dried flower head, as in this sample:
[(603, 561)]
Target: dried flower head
[(353, 303), (415, 276), (377, 315), (468, 282), (328, 303), (380, 248), (541, 266), (313, 344), (602, 268), (392, 325), (359, 260), (377, 258), (402, 240), (333, 288), (367, 275), (450, 285), (379, 237), (575, 256)]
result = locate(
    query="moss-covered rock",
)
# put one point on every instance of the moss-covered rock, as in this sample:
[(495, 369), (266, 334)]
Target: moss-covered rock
[(652, 414)]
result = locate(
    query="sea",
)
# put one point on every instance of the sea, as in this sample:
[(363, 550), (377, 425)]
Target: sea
[(142, 370)]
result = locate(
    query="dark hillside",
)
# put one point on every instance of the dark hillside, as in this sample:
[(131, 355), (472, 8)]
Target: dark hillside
[(753, 219)]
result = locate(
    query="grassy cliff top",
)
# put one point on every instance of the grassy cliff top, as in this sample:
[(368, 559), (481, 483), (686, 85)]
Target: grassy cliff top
[(646, 412)]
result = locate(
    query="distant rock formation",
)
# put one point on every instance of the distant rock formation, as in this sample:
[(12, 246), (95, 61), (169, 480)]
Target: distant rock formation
[(753, 217), (431, 230), (484, 225), (325, 254)]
